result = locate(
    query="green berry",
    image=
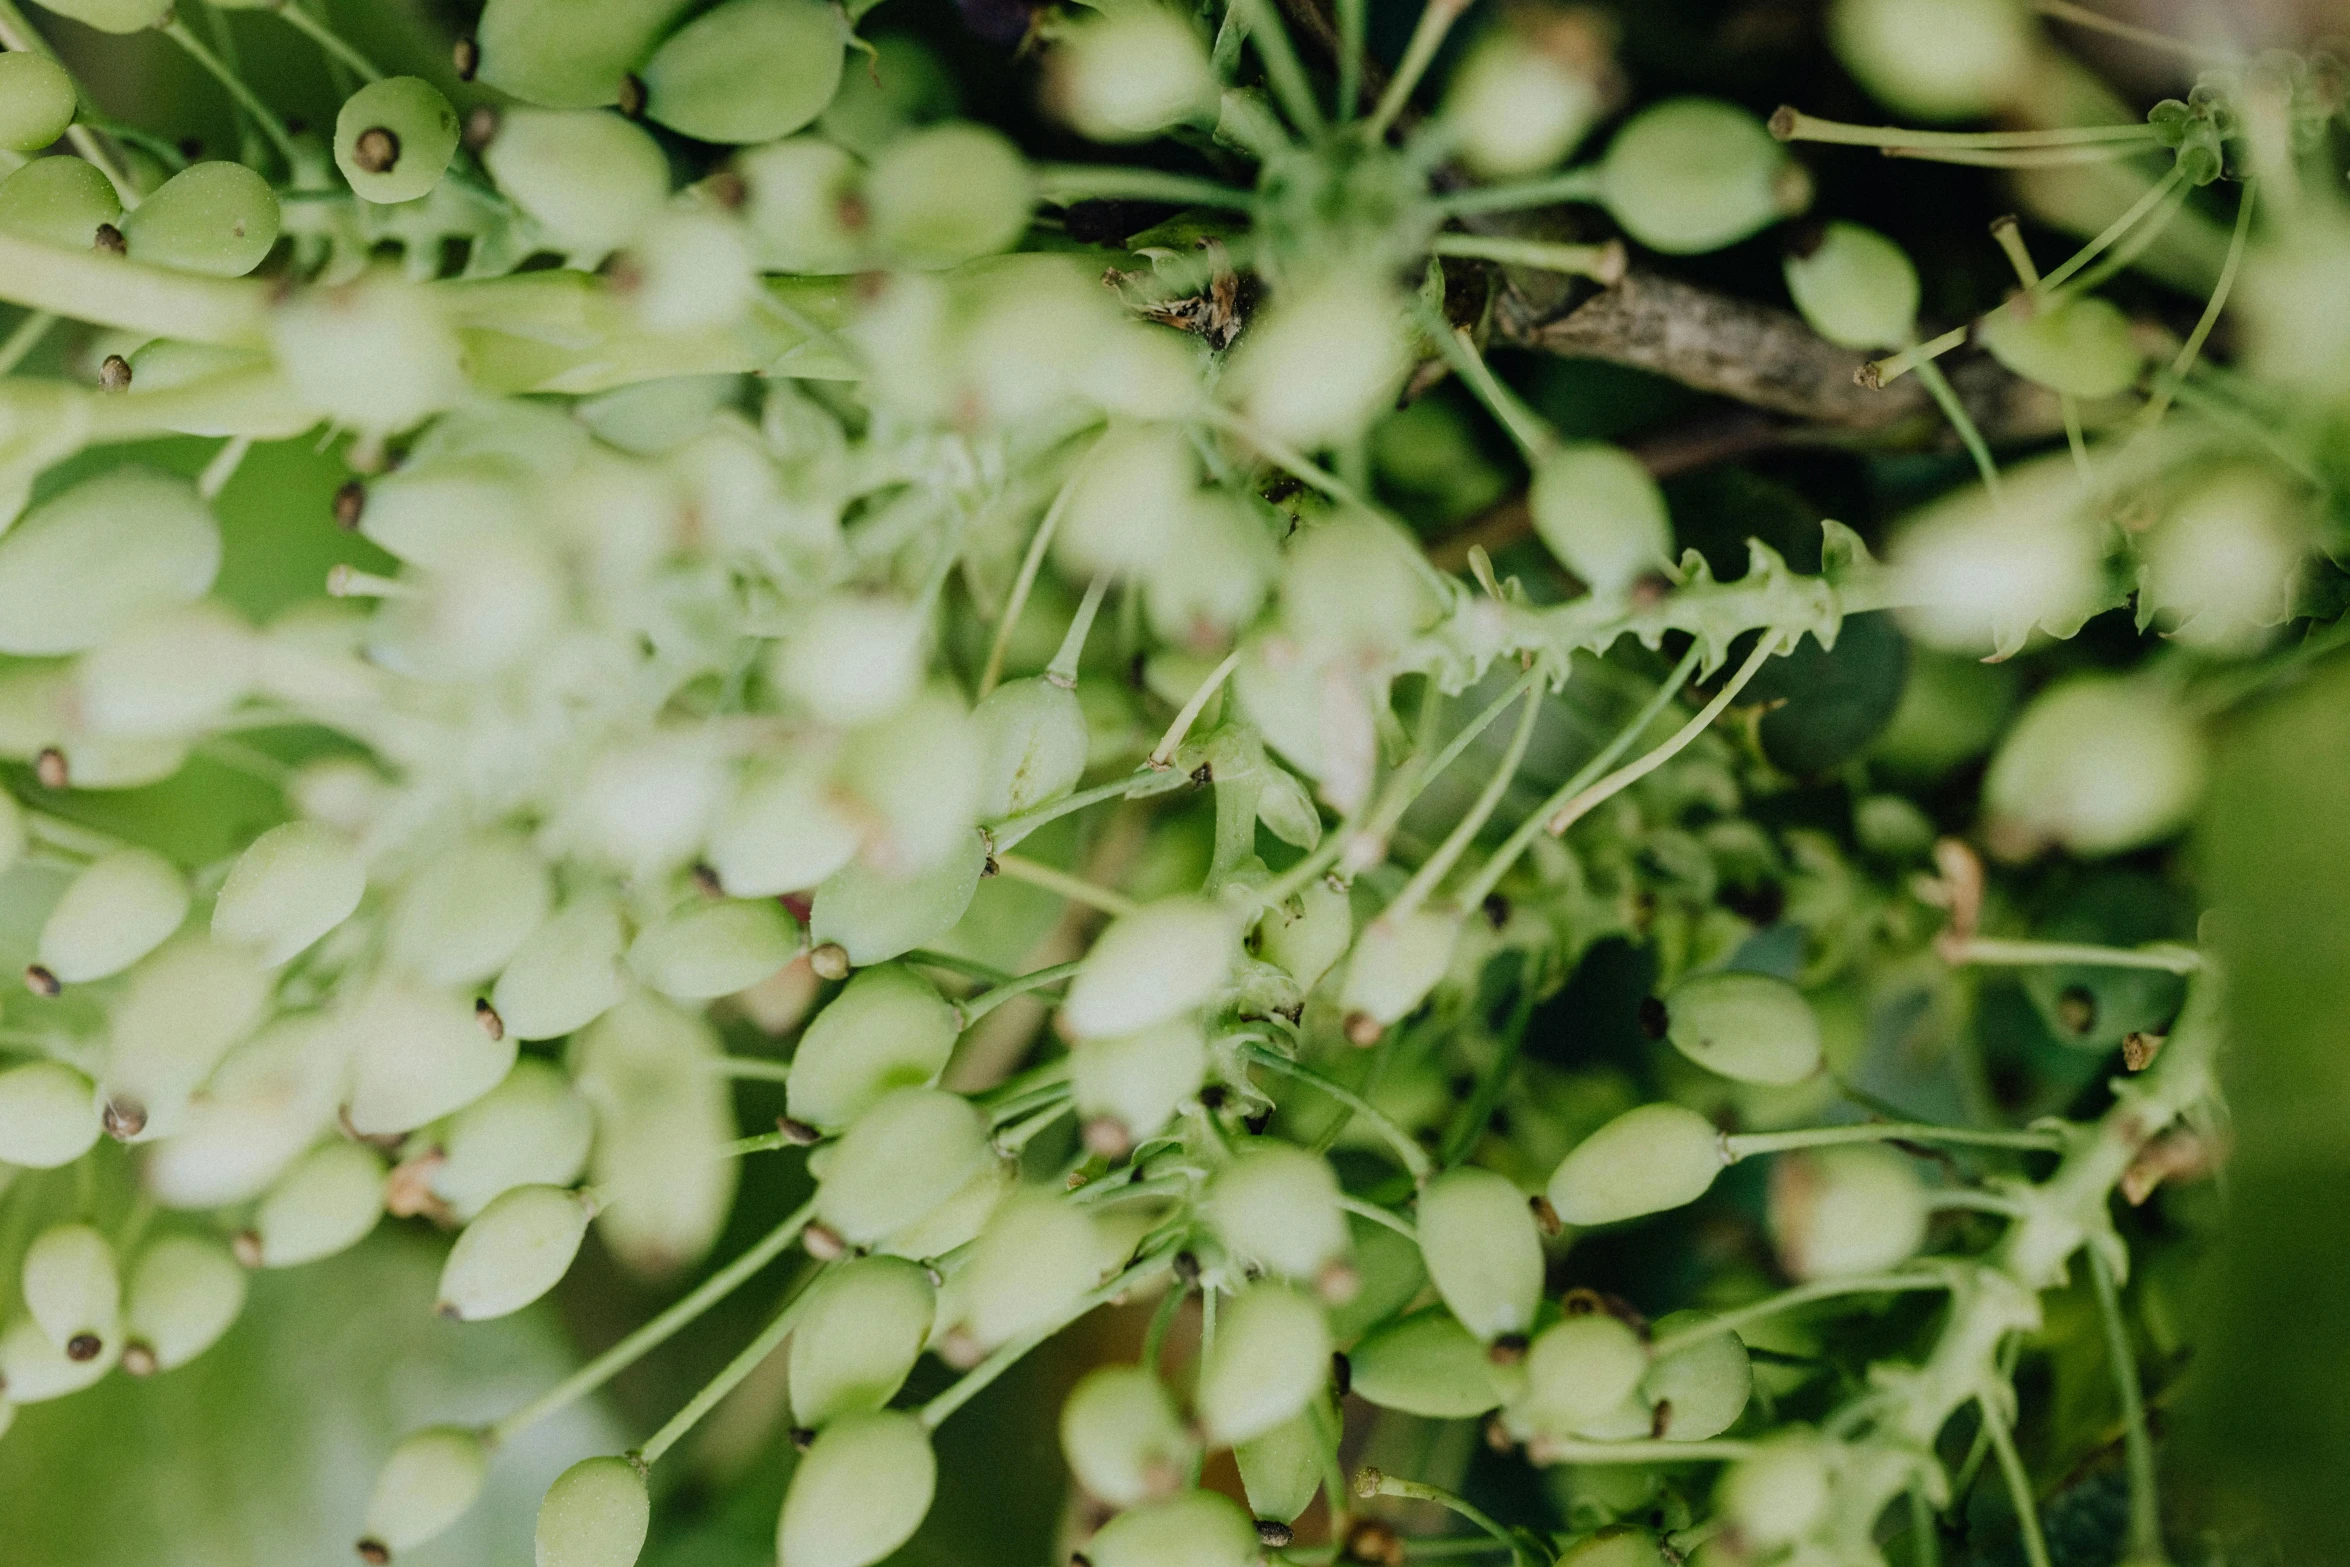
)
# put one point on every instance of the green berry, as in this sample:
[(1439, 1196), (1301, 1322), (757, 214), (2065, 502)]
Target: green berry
[(115, 911), (47, 1115), (948, 194), (802, 205), (295, 883), (1775, 1497), (1036, 745), (2083, 346), (2098, 764), (113, 16), (394, 139), (530, 1129), (1937, 59), (1578, 1373), (1695, 174), (1514, 107), (747, 70), (376, 354), (859, 1492), (1271, 1354), (215, 217), (1192, 1529), (1127, 504), (1308, 935), (566, 974), (903, 1158), (858, 1336), (1396, 963), (588, 179), (705, 950), (465, 911), (663, 1116), (518, 1248), (1602, 515), (1027, 1270), (875, 915), (1276, 1206), (429, 1481), (1129, 73), (1322, 362), (36, 101), (72, 1290), (1838, 1211), (1644, 1161), (184, 1293), (1148, 966), (1483, 1251), (889, 1028), (58, 201), (418, 1053), (1426, 1364), (90, 561), (1700, 1391), (1123, 1438), (783, 831), (177, 1012), (1756, 1028), (1281, 1470), (325, 1204), (594, 1515), (1856, 287), (35, 1368), (562, 56), (1137, 1081), (177, 672)]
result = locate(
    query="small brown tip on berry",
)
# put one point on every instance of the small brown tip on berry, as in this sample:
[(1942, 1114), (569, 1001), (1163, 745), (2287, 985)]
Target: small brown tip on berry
[(632, 95), (487, 1016), (123, 1119), (727, 189), (1338, 1283), (824, 1243), (1507, 1350), (1783, 122), (350, 504), (1106, 1137), (1363, 1030), (803, 1438), (1661, 1421), (706, 880), (481, 127), (1870, 376), (1187, 1267), (2004, 224), (373, 1552), (50, 770), (830, 960), (1367, 1482), (798, 1133), (377, 149), (1342, 1373), (138, 1358), (1614, 261), (1654, 1020), (1273, 1534), (245, 1246), (108, 241), (1546, 1218), (40, 981), (465, 55), (449, 1310), (114, 374), (84, 1347)]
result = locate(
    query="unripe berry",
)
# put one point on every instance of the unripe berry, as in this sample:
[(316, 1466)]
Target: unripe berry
[(566, 974), (1695, 174), (1700, 1391), (2082, 346), (802, 206), (1322, 361), (1138, 1080), (462, 913), (1348, 587), (1839, 1211), (1856, 288), (1037, 1255), (1483, 1253), (267, 1101), (1425, 1364), (1602, 515), (852, 657), (87, 563), (46, 1115), (746, 70), (1579, 1372), (216, 217), (705, 950), (1209, 584), (1985, 573), (119, 908), (947, 194), (426, 1485), (1129, 74), (1271, 1354), (663, 1115), (1122, 1436), (293, 884), (1756, 1028), (530, 1129), (1035, 739), (325, 1204), (1281, 1470), (1194, 1529), (376, 354), (955, 1223), (1396, 962), (36, 101), (72, 1290), (184, 1294), (1148, 966), (172, 673), (1774, 1497), (563, 56), (1647, 1160), (394, 138), (859, 1492), (1936, 59), (875, 915), (34, 1368), (1127, 504), (648, 418), (889, 1028), (782, 832), (1307, 935), (518, 1249), (57, 201), (2097, 764), (1514, 107), (417, 1054), (859, 1334), (2226, 559), (594, 1515), (179, 1011), (903, 1158), (588, 179), (1276, 1205)]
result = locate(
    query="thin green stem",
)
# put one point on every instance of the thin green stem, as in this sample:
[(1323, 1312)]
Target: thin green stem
[(1456, 842), (1579, 185), (112, 291), (2144, 37), (1008, 1142), (1300, 467), (1644, 1451), (969, 968), (1069, 183), (1154, 1337), (1925, 1535), (1408, 1153), (1076, 889), (976, 1007), (1380, 1216), (1788, 1300), (1062, 671), (25, 338), (751, 1069), (1881, 373), (1791, 124), (1372, 1482), (2019, 1484), (1535, 439), (1282, 69), (1134, 786), (2192, 349), (1996, 952), (1436, 19), (1352, 25), (935, 1413), (1745, 1145), (2146, 1548), (2027, 158), (243, 96), (2153, 198), (1603, 263), (328, 39), (1023, 584), (1946, 398), (742, 1365), (1631, 773), (1163, 754)]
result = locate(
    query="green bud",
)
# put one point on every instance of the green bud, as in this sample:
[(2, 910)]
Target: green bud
[(1837, 1211), (1620, 1546), (1271, 1354), (36, 101), (1579, 1371), (1035, 739), (184, 1294), (904, 1157), (859, 1492), (85, 564), (1211, 578), (1514, 107), (1695, 174), (889, 1028), (519, 1248), (955, 1223), (72, 1290), (1483, 1252), (1309, 934), (58, 201), (1856, 288), (463, 912), (325, 1204), (426, 1485), (800, 196), (1276, 1205), (1937, 59), (1138, 1080), (1602, 515), (173, 673), (1775, 1497), (1756, 1028), (294, 883), (1123, 1438), (47, 1115), (588, 179), (2097, 764), (217, 218), (115, 911), (1036, 1257), (113, 16), (2082, 346), (34, 1368), (1426, 1364), (1347, 586), (947, 194), (1153, 964), (1698, 1392), (2226, 560), (594, 1515), (177, 1014), (647, 418), (784, 831), (394, 138), (1281, 1470), (265, 1103), (416, 1055), (561, 55), (746, 70), (1194, 1529), (663, 1116), (858, 1336), (852, 657), (529, 1130), (1127, 504), (1322, 361), (1644, 1161), (378, 354), (566, 974), (1129, 74), (709, 949), (1396, 963)]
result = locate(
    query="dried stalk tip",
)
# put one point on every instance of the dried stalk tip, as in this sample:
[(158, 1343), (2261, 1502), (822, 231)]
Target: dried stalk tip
[(138, 1358), (830, 961), (377, 149), (1274, 1535), (824, 1243), (373, 1552), (123, 1119), (108, 241), (481, 127), (2139, 1049), (245, 1246), (83, 1347), (1507, 1350), (1367, 1482), (465, 55), (50, 770), (1342, 1373), (1783, 122), (487, 1016), (1374, 1542), (1363, 1030), (350, 504), (114, 374), (41, 982), (798, 1133), (1546, 1218)]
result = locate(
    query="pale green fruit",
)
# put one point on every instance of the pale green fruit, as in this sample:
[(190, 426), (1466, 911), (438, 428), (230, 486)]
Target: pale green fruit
[(2082, 346), (1276, 1205), (34, 1368), (647, 418), (1775, 1497), (1123, 1437), (1036, 743), (1271, 1354), (119, 908), (1308, 935), (562, 55), (1212, 578), (1578, 1372), (851, 657), (1984, 573), (858, 1494), (1139, 1080), (1129, 74), (1696, 174), (1161, 960), (1482, 1249), (588, 179), (746, 70), (1937, 59), (519, 1248), (531, 1129), (566, 974), (875, 916), (85, 564), (179, 1011), (1856, 288), (948, 194), (36, 101), (1323, 360), (184, 1294), (710, 949), (216, 217), (889, 1028), (1601, 515), (1615, 1547), (72, 1290), (58, 201), (1127, 504), (2097, 764), (1644, 1161), (416, 1055), (859, 1334), (325, 1204), (1194, 1529), (47, 1115), (1028, 1268), (1348, 586), (1698, 1392), (426, 515), (174, 673), (394, 138), (955, 1223), (113, 16), (1281, 1470), (426, 1485), (691, 270), (784, 831), (2226, 560), (380, 354), (1425, 1364), (663, 1117), (1756, 1028), (267, 1101), (1396, 963), (294, 883), (799, 197), (463, 913), (1514, 108), (594, 1515), (1839, 1211), (904, 1157)]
